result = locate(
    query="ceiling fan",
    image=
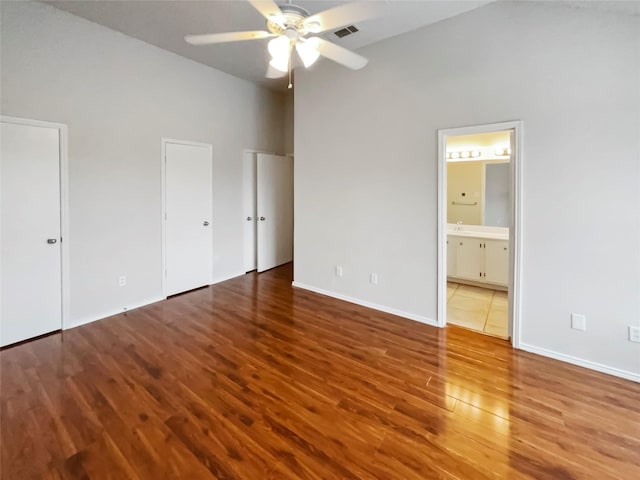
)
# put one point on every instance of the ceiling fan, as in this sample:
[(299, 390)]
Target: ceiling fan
[(290, 25)]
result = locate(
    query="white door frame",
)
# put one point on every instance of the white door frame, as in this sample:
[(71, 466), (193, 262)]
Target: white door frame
[(163, 181), (515, 231), (64, 207)]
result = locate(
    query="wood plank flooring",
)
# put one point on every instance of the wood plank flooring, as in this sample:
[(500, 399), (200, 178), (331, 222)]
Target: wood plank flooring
[(252, 379)]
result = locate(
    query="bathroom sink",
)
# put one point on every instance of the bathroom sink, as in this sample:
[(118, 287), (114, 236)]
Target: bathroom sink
[(477, 231)]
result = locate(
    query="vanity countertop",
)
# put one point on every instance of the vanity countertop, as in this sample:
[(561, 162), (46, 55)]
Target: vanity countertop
[(478, 231)]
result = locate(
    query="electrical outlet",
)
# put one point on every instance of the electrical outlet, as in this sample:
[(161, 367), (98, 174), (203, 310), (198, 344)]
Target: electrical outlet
[(634, 333), (578, 322), (374, 278), (122, 281), (338, 271)]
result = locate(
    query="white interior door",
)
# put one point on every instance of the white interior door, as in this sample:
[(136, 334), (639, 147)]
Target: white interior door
[(249, 210), (275, 210), (188, 212), (30, 268)]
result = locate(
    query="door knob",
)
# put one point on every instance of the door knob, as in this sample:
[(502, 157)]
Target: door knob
[(262, 219), (51, 241), (205, 223), (249, 219)]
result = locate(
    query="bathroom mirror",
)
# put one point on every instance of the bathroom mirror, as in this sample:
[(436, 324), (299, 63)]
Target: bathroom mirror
[(478, 193), (479, 179)]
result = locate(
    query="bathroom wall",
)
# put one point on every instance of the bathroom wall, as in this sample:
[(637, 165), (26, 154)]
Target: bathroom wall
[(465, 192)]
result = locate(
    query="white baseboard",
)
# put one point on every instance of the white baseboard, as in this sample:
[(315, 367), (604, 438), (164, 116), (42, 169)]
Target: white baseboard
[(374, 306), (103, 315), (224, 279), (598, 367), (128, 308)]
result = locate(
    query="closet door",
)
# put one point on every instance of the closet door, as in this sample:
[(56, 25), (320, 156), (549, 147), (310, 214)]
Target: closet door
[(30, 268), (188, 212), (249, 185), (275, 210)]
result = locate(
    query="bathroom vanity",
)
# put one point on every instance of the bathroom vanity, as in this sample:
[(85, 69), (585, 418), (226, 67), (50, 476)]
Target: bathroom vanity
[(478, 254)]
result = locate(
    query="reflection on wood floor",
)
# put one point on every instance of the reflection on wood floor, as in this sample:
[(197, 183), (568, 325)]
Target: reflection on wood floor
[(252, 379)]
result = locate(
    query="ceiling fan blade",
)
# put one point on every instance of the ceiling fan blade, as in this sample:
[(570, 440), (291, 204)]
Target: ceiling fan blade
[(274, 73), (209, 38), (341, 55), (344, 15), (267, 8)]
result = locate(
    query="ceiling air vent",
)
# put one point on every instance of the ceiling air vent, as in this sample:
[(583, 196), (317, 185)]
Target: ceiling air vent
[(343, 32)]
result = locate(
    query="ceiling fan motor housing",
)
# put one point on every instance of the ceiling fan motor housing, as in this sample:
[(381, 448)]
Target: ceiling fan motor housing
[(292, 18)]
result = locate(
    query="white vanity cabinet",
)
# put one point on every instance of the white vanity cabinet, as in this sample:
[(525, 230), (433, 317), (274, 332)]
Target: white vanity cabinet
[(469, 258), (451, 256), (496, 261), (478, 259)]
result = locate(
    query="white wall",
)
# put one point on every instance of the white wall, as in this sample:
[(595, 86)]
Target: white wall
[(119, 96), (288, 123), (366, 167)]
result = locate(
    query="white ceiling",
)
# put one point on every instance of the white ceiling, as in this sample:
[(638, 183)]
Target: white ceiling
[(624, 7), (165, 23)]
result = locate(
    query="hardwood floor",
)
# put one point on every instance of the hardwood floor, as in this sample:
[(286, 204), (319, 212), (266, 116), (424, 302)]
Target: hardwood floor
[(252, 379)]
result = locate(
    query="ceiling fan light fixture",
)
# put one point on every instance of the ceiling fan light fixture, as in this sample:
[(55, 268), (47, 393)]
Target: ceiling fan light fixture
[(308, 51), (280, 63), (279, 47)]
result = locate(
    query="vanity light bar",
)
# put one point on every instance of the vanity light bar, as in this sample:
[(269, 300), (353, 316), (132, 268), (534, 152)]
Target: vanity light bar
[(502, 152), (463, 154)]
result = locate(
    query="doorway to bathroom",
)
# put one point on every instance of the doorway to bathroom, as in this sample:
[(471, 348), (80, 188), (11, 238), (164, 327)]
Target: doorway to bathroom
[(479, 228)]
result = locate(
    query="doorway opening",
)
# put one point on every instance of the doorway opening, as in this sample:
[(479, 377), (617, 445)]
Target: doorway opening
[(479, 205)]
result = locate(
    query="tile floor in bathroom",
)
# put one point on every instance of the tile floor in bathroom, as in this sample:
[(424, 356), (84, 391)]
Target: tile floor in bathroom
[(480, 309)]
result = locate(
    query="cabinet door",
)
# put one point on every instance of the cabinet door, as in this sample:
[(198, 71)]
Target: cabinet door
[(497, 261), (469, 258), (451, 255)]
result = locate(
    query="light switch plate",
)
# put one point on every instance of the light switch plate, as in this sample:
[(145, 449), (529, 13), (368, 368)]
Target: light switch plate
[(578, 322), (634, 333)]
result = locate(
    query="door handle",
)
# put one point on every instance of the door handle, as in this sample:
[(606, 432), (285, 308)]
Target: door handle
[(249, 219), (262, 219), (205, 223), (51, 241)]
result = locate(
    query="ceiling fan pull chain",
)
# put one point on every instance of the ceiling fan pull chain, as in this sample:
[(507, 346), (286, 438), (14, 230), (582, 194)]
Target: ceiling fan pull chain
[(290, 61)]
